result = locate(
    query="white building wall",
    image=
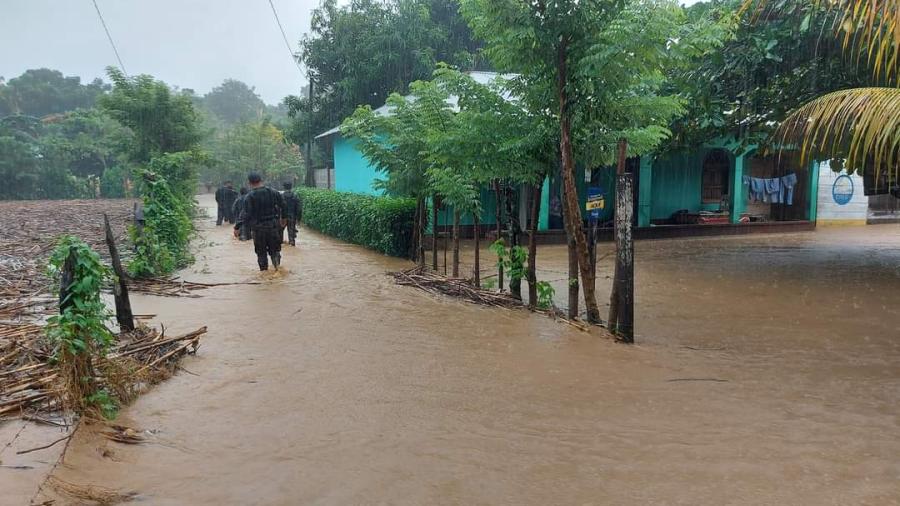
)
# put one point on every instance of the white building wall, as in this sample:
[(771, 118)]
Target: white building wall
[(841, 200)]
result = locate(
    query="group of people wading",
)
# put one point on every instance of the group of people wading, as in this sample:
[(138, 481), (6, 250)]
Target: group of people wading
[(261, 213)]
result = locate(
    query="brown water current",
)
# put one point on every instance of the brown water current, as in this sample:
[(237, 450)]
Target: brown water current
[(767, 371)]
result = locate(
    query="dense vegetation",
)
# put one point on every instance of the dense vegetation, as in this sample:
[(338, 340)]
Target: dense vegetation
[(360, 52), (384, 224), (63, 139)]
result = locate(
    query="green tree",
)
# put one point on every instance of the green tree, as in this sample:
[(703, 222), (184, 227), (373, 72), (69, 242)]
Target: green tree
[(258, 146), (857, 124), (234, 102), (40, 92), (25, 167), (598, 66), (162, 121), (87, 142), (747, 86), (359, 53)]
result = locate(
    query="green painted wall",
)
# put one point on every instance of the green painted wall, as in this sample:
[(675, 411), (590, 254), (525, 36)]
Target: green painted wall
[(352, 172), (676, 183), (645, 192)]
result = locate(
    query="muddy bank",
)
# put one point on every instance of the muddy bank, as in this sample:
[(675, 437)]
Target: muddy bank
[(328, 384)]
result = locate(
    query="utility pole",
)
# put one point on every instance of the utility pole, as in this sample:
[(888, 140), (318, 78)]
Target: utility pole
[(310, 172)]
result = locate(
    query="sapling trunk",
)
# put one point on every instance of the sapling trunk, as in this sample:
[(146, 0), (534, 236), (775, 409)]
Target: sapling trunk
[(515, 283), (477, 268), (499, 216), (456, 242), (532, 244), (435, 205)]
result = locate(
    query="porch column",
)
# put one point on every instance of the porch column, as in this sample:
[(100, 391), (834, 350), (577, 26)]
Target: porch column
[(738, 199), (645, 187), (813, 191), (544, 216)]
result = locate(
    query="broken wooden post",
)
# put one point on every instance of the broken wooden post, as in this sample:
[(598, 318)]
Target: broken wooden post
[(623, 326), (120, 289), (66, 280)]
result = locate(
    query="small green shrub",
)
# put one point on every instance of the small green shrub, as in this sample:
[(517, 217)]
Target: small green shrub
[(163, 245), (512, 260), (384, 224), (545, 293)]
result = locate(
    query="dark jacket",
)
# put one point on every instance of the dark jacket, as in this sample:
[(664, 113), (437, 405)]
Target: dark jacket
[(237, 207), (225, 197), (262, 207), (293, 205)]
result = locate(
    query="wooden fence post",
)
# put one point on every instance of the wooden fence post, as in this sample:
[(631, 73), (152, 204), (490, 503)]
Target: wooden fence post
[(624, 289), (66, 280), (120, 289)]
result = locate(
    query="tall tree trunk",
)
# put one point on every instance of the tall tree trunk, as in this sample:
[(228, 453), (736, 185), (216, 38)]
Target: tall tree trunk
[(499, 215), (570, 194), (435, 205), (614, 293), (532, 244), (477, 268), (455, 242)]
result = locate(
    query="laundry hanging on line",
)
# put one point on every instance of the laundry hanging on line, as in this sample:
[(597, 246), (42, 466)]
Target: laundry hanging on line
[(777, 190)]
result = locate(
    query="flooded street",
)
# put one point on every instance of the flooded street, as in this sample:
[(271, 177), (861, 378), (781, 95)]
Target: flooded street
[(767, 371)]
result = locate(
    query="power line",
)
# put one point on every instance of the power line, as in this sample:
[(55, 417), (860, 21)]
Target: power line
[(109, 36), (284, 36)]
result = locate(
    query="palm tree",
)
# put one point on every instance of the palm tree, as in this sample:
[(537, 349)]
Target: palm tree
[(860, 125)]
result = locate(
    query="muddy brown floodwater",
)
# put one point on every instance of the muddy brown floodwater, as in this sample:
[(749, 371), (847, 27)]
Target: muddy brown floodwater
[(767, 371)]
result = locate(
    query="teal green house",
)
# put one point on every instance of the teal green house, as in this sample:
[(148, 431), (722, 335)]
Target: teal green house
[(692, 191)]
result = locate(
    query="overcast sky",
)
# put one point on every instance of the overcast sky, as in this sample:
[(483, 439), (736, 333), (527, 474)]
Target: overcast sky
[(187, 43)]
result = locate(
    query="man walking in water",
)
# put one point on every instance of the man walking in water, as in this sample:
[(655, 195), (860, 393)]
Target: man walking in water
[(236, 212), (225, 196), (264, 210), (294, 210)]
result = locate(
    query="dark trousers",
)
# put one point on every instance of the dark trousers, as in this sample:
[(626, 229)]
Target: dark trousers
[(245, 231), (291, 231), (267, 243), (220, 215)]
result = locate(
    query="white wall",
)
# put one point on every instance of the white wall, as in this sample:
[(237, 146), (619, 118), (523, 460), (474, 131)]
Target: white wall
[(830, 212)]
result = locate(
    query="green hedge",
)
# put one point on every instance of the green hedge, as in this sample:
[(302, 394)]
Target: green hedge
[(383, 224)]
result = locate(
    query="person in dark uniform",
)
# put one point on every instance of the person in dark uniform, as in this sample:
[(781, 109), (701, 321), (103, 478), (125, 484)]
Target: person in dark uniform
[(221, 198), (230, 197), (236, 212), (294, 211), (264, 210)]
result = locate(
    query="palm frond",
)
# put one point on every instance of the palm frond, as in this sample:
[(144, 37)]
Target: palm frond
[(861, 125)]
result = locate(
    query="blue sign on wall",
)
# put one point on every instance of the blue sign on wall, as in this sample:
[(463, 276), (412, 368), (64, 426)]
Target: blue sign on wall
[(842, 190)]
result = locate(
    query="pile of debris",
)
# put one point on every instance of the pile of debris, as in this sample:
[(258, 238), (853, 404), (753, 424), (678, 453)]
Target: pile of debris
[(138, 360), (28, 377), (438, 284), (28, 232)]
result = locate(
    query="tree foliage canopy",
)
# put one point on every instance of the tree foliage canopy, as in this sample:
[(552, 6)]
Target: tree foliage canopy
[(234, 102), (162, 120), (359, 53), (40, 92)]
